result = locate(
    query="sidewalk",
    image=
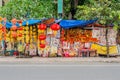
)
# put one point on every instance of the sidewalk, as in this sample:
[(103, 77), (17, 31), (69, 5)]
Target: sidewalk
[(58, 60)]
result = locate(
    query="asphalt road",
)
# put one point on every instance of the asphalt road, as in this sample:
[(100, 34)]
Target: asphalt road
[(60, 72)]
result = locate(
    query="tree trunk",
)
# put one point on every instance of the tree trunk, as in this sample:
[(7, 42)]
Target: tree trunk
[(107, 44), (74, 4), (118, 37)]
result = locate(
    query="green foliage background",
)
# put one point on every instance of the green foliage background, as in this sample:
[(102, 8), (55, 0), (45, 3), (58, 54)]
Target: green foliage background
[(107, 11), (25, 9)]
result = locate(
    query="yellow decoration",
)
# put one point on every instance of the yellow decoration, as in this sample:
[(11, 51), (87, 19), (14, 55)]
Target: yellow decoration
[(34, 33), (103, 49), (7, 35), (27, 41), (12, 40), (26, 32), (30, 27), (23, 41), (20, 31), (31, 46), (35, 39), (42, 41), (27, 38), (42, 31), (7, 39), (31, 32), (26, 28), (18, 39), (34, 36), (39, 31), (34, 29), (31, 40), (54, 32)]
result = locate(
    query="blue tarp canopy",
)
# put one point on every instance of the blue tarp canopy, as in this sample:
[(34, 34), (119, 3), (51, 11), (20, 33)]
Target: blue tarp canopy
[(30, 22), (66, 24)]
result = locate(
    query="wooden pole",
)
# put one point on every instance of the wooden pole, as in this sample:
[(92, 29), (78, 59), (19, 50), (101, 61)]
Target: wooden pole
[(107, 44)]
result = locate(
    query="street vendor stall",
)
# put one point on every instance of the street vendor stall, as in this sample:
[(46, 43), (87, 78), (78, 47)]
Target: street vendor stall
[(46, 38), (75, 39)]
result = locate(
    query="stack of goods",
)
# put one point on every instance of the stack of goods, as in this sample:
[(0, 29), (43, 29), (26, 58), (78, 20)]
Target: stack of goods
[(73, 39), (54, 35)]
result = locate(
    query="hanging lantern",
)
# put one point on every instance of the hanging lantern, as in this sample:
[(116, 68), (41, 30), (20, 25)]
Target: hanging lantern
[(42, 37), (55, 27), (14, 27), (42, 45), (42, 26)]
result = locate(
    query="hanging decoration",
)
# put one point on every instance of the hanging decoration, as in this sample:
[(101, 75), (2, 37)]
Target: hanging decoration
[(14, 29), (42, 28), (2, 28), (55, 27), (20, 31), (42, 45), (26, 31), (41, 35)]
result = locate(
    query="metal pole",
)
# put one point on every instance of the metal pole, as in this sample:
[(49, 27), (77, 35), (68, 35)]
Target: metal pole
[(60, 8)]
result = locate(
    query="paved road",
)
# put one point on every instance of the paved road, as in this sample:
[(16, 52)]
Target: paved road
[(60, 72)]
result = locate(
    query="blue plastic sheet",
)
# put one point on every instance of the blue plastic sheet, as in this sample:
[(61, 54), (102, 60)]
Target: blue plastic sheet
[(30, 22), (66, 24)]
